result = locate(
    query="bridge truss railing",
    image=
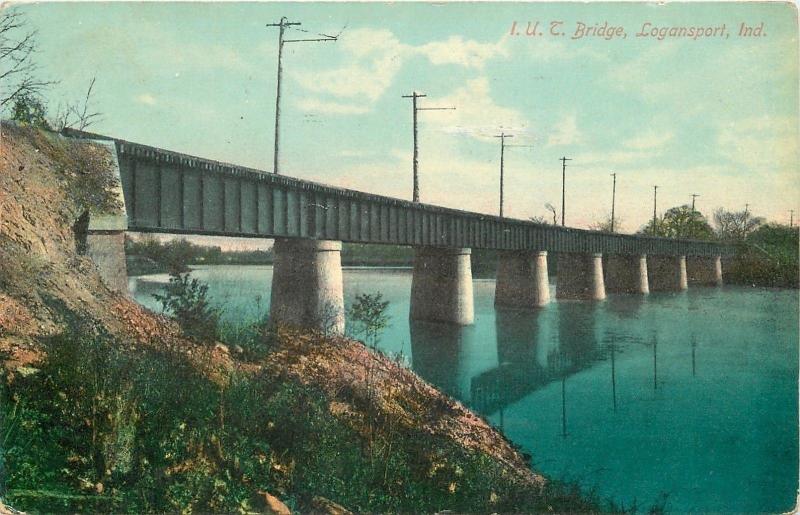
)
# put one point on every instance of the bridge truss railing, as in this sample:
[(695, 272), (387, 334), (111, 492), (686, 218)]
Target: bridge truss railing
[(176, 193)]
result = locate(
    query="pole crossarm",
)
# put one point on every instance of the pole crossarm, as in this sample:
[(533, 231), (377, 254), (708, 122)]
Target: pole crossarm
[(326, 38)]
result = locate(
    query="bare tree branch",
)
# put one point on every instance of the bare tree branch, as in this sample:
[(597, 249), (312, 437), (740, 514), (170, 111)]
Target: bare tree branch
[(82, 114), (18, 70)]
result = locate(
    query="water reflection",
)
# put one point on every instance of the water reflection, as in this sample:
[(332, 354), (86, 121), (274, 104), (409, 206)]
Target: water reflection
[(625, 306), (577, 335), (517, 336), (518, 339), (438, 354), (531, 358)]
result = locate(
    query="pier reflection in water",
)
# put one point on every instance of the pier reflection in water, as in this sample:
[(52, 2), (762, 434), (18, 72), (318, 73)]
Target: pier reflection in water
[(438, 355), (534, 349)]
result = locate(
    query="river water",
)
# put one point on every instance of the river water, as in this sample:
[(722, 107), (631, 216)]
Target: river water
[(686, 398)]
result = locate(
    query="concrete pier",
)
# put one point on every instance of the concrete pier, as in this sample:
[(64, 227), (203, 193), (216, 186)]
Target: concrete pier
[(580, 276), (522, 280), (307, 285), (107, 250), (667, 273), (441, 285), (625, 273), (103, 237), (704, 270)]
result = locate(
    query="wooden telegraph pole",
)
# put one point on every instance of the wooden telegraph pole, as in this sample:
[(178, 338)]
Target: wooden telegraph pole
[(282, 26), (563, 182), (414, 96)]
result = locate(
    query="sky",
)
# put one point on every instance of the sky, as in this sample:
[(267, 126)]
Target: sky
[(715, 116)]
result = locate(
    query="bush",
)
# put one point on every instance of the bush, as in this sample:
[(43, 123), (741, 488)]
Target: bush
[(97, 428), (255, 340), (768, 258), (368, 317), (30, 109), (102, 428), (187, 300)]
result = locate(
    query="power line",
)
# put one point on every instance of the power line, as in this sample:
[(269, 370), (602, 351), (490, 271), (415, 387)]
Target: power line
[(282, 25), (563, 181), (414, 96)]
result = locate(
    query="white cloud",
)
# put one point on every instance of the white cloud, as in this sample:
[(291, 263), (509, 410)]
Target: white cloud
[(466, 53), (762, 144), (650, 140), (145, 98), (373, 58), (615, 158), (474, 108), (565, 132), (642, 74), (328, 107)]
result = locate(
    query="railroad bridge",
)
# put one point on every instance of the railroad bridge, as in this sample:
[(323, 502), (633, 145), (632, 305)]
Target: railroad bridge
[(169, 192)]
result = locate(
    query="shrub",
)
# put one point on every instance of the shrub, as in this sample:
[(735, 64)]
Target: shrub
[(187, 300), (30, 109), (368, 317)]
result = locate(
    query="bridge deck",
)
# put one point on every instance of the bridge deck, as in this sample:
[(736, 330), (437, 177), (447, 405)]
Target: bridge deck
[(171, 192)]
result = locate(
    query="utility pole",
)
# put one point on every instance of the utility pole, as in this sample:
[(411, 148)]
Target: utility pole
[(613, 199), (282, 26), (503, 147), (502, 137), (791, 218), (414, 96), (655, 197), (694, 196), (563, 181)]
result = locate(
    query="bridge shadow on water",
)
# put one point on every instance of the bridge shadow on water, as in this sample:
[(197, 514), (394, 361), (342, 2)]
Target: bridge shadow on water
[(534, 349)]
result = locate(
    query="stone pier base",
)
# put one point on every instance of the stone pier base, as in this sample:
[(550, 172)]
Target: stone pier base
[(307, 286), (667, 273), (626, 273), (704, 270), (580, 276), (441, 286), (107, 250), (522, 280)]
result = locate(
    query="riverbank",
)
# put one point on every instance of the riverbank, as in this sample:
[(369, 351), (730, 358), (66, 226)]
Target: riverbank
[(107, 406)]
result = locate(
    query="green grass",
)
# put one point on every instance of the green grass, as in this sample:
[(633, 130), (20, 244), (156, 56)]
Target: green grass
[(158, 436)]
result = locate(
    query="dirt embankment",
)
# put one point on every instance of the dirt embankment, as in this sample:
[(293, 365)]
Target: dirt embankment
[(45, 284)]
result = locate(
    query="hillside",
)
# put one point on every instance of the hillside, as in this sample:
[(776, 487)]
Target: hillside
[(107, 406)]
